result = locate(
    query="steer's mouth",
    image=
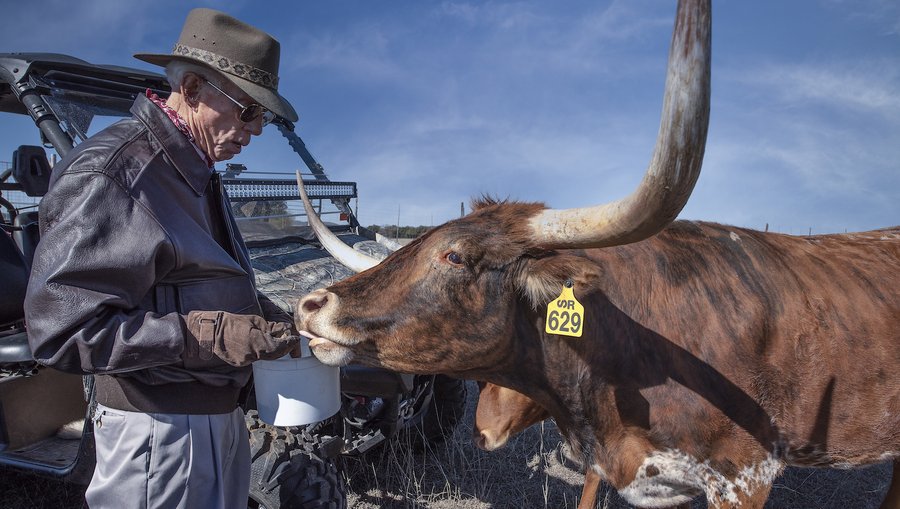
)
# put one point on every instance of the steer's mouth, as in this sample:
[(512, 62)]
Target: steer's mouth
[(328, 351), (490, 440), (314, 317)]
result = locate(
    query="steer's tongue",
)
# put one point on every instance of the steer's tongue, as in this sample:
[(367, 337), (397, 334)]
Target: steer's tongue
[(313, 339), (318, 342)]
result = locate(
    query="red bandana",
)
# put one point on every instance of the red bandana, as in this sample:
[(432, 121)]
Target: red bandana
[(178, 121)]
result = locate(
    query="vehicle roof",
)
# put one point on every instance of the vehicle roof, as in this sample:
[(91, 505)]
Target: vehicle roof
[(64, 72)]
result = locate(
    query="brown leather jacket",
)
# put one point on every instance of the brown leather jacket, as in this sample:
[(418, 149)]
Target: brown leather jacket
[(135, 233)]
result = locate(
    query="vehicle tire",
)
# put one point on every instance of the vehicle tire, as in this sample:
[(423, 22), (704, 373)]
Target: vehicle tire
[(291, 469), (446, 408)]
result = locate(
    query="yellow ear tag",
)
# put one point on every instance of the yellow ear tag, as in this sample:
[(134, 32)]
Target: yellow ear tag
[(565, 315)]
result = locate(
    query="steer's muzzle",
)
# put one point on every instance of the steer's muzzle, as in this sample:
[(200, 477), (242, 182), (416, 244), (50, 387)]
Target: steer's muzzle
[(313, 317), (312, 303), (489, 440)]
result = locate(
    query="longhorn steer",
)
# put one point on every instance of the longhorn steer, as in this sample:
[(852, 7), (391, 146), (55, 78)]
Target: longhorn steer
[(711, 355), (502, 413)]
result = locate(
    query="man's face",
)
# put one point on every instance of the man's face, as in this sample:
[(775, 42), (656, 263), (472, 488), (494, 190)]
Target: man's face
[(216, 126)]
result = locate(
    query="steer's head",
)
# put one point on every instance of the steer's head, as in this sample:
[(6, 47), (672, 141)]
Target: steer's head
[(502, 413), (451, 298), (452, 301)]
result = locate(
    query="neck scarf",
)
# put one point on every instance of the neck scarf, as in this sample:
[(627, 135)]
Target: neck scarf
[(179, 122)]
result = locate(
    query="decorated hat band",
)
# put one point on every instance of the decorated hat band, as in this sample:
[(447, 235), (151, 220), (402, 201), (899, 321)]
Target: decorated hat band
[(225, 64)]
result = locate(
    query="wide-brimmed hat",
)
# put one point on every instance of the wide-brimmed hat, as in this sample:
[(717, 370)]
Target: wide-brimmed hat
[(243, 54)]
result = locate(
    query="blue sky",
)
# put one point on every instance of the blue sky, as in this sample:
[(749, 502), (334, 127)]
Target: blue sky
[(427, 104)]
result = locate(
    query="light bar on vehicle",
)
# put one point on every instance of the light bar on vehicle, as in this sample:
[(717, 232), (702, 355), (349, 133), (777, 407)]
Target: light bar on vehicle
[(276, 189)]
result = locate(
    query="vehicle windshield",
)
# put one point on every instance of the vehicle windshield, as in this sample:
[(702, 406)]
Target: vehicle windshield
[(77, 112)]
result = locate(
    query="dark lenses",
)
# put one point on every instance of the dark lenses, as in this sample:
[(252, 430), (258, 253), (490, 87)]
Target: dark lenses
[(250, 113), (253, 111)]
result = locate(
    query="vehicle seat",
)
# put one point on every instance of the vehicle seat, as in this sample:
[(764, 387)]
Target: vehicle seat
[(14, 277), (26, 234), (31, 169)]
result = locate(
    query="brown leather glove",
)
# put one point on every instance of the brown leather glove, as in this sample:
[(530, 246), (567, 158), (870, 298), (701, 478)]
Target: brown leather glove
[(235, 339), (273, 313)]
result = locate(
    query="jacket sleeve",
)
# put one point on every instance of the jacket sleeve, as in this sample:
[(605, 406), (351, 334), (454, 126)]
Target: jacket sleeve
[(99, 255)]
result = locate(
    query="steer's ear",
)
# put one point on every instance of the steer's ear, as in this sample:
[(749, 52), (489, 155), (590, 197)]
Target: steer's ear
[(542, 279)]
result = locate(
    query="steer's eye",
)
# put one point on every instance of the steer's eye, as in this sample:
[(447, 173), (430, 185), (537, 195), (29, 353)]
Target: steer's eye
[(454, 258)]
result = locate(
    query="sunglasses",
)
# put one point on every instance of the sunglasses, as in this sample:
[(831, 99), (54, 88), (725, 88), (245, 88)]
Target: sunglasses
[(250, 112)]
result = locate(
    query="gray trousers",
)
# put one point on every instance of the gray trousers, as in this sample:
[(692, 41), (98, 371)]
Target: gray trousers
[(168, 461)]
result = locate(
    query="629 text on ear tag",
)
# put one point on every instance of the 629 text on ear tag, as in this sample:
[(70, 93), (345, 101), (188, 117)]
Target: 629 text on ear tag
[(565, 315)]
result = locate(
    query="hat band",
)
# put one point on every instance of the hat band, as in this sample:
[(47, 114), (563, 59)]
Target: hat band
[(225, 64)]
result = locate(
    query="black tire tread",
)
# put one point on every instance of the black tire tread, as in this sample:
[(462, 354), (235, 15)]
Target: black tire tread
[(287, 473)]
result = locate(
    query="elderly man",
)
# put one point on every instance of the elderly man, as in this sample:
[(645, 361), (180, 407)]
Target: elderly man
[(142, 279)]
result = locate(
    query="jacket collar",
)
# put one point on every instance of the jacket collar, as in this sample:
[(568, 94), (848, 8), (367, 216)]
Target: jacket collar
[(177, 147)]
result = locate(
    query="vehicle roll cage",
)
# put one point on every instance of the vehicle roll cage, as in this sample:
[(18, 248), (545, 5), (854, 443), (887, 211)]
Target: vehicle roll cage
[(62, 94)]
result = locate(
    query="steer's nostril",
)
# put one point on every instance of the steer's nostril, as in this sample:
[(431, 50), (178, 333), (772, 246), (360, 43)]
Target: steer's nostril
[(311, 305), (313, 302)]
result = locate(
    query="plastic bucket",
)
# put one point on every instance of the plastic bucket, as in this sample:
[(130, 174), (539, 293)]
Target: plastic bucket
[(296, 391)]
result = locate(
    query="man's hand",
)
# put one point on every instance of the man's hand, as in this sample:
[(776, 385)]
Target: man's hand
[(235, 339)]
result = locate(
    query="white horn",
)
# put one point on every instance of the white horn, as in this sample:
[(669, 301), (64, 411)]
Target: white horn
[(353, 259), (387, 242), (676, 161)]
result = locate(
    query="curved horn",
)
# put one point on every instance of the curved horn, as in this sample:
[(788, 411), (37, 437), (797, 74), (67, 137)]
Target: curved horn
[(676, 161), (353, 259), (386, 242)]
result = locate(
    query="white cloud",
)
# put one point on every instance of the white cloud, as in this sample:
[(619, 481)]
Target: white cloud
[(881, 13), (494, 15), (363, 53), (865, 85), (87, 30)]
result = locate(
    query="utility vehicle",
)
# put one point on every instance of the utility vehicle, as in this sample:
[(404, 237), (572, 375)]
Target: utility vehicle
[(45, 415)]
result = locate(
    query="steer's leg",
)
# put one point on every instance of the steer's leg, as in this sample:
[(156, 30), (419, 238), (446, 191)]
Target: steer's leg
[(892, 500), (589, 492), (757, 499), (754, 500)]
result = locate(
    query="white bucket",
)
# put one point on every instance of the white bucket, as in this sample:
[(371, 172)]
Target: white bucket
[(296, 391)]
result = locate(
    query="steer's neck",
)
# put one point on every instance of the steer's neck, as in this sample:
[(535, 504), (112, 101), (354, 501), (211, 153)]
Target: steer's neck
[(552, 372)]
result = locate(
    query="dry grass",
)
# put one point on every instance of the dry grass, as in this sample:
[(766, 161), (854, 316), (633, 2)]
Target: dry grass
[(532, 472), (25, 491)]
